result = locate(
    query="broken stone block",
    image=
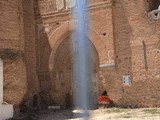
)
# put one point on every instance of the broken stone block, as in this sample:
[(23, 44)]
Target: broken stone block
[(6, 111)]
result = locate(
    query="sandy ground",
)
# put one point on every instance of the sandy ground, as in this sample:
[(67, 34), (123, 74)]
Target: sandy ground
[(102, 114)]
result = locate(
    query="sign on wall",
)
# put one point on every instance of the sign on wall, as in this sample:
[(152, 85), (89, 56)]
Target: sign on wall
[(127, 80)]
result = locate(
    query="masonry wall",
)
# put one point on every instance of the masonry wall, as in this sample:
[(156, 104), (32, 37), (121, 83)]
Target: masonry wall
[(30, 47), (49, 6), (17, 50), (123, 26), (136, 38), (12, 51), (136, 47), (49, 19)]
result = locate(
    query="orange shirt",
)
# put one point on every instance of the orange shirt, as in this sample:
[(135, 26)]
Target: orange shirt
[(103, 100)]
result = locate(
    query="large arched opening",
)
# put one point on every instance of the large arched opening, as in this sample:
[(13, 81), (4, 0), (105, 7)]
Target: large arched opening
[(60, 62), (61, 72)]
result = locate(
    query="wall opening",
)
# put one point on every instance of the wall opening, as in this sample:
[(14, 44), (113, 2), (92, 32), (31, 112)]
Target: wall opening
[(153, 4), (62, 75), (35, 101)]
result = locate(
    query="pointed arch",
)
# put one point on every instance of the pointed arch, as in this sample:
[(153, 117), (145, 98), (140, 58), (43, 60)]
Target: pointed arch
[(64, 30)]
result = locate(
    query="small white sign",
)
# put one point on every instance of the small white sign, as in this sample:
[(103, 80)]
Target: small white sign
[(127, 80)]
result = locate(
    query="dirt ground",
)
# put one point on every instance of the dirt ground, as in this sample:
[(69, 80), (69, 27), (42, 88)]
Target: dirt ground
[(102, 114)]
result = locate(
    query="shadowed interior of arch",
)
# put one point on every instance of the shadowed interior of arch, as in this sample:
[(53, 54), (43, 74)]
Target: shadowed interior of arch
[(62, 74)]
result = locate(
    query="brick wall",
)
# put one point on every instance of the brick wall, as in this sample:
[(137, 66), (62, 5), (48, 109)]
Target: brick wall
[(30, 46), (132, 41), (12, 51), (52, 21), (131, 28)]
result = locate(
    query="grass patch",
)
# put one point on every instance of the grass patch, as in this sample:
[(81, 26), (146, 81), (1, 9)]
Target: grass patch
[(152, 111), (117, 110), (127, 117)]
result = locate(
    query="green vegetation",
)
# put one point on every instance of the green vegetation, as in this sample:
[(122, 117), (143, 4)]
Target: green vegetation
[(152, 111), (127, 116), (117, 110)]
